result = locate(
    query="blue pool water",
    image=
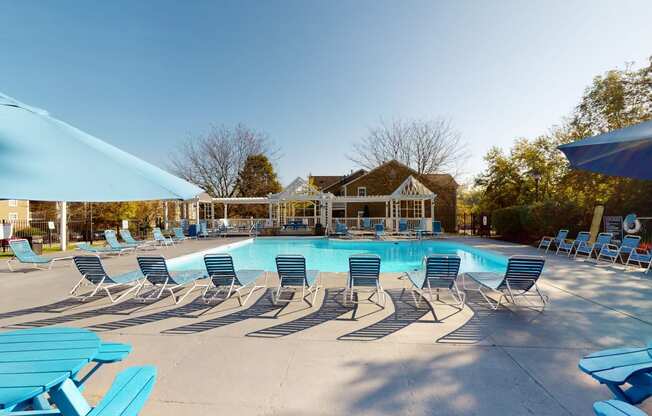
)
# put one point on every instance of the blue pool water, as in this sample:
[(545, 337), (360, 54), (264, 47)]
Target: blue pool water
[(332, 255)]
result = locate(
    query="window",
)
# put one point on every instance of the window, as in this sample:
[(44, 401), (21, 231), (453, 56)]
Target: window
[(13, 216), (13, 203), (362, 191)]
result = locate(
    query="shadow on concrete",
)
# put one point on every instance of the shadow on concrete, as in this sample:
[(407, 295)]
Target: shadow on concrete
[(262, 306), (191, 310), (406, 312), (329, 310), (122, 308), (56, 307)]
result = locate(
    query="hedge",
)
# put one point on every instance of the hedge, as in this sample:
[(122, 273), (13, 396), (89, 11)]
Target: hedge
[(530, 222)]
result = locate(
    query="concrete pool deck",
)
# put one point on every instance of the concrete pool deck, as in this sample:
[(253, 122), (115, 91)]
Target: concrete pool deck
[(266, 360)]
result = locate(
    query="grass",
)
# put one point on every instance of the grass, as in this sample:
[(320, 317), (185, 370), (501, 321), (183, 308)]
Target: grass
[(54, 248)]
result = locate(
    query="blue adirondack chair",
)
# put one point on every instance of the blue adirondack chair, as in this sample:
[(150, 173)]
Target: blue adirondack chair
[(612, 253), (292, 275), (364, 276), (366, 223), (521, 277), (403, 226), (24, 254), (439, 272), (588, 250), (568, 246), (94, 274), (616, 408), (548, 242), (157, 276), (627, 372), (341, 230), (224, 278)]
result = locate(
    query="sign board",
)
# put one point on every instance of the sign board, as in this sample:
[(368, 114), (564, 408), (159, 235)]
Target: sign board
[(5, 230), (50, 225), (125, 224), (614, 224)]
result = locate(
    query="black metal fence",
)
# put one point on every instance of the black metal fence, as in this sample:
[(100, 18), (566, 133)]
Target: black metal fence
[(78, 230), (474, 224)]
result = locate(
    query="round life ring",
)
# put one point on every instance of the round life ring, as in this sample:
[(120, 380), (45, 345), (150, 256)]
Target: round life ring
[(631, 224)]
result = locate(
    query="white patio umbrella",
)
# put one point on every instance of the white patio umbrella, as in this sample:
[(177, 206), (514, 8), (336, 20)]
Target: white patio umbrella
[(44, 159)]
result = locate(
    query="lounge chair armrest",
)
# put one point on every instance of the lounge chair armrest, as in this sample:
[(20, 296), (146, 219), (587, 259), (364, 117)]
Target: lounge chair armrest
[(610, 246), (639, 250)]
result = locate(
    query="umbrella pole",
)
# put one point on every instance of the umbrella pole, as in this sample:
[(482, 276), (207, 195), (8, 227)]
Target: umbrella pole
[(63, 229)]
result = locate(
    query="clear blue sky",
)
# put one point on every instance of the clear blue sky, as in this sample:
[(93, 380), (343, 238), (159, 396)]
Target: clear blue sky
[(144, 75)]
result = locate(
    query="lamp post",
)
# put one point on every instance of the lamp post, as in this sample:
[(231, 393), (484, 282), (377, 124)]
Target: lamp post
[(537, 178)]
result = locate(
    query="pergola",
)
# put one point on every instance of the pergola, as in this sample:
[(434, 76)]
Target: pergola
[(299, 193)]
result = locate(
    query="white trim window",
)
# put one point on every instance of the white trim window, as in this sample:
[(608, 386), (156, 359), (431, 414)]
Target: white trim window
[(12, 202), (362, 191)]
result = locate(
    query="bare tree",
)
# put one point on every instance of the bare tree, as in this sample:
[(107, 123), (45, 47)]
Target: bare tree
[(426, 146), (213, 161)]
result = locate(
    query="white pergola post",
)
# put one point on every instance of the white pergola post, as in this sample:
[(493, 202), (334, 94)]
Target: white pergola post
[(63, 227), (197, 212), (226, 215), (432, 211), (165, 215), (212, 214)]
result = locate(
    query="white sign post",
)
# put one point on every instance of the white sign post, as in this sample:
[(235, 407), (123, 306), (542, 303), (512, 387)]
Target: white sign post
[(125, 224)]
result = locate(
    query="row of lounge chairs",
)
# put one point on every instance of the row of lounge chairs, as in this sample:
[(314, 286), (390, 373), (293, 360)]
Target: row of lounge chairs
[(379, 231), (23, 253), (603, 249), (220, 280)]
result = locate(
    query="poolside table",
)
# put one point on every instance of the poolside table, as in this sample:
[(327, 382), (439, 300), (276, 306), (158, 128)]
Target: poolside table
[(44, 360)]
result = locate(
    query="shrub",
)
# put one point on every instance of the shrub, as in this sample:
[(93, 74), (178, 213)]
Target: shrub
[(508, 222), (527, 223)]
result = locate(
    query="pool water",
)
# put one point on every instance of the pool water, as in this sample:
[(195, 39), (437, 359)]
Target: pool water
[(332, 255)]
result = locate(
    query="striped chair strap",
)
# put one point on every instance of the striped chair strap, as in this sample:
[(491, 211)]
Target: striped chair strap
[(154, 268), (364, 266), (523, 272), (291, 266), (220, 268), (91, 268), (442, 267)]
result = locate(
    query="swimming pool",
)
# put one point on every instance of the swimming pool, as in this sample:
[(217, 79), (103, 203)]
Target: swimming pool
[(329, 255)]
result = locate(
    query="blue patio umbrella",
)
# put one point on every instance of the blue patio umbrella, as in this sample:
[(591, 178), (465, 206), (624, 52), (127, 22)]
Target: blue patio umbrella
[(624, 152), (44, 159)]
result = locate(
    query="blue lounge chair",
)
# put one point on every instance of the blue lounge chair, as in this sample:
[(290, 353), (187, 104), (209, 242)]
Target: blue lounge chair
[(439, 271), (403, 227), (292, 274), (379, 231), (366, 223), (24, 254), (224, 277), (422, 228), (437, 230), (627, 372), (364, 276), (130, 240), (178, 234), (641, 257), (112, 240), (94, 274), (568, 246), (616, 408), (160, 238), (588, 250), (157, 275), (612, 253), (548, 242), (98, 251), (521, 276)]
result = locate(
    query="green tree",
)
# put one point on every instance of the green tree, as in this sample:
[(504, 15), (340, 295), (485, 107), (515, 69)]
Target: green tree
[(256, 179)]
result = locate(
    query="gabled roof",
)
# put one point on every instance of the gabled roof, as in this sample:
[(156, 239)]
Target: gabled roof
[(298, 187), (323, 182), (411, 187), (346, 179)]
